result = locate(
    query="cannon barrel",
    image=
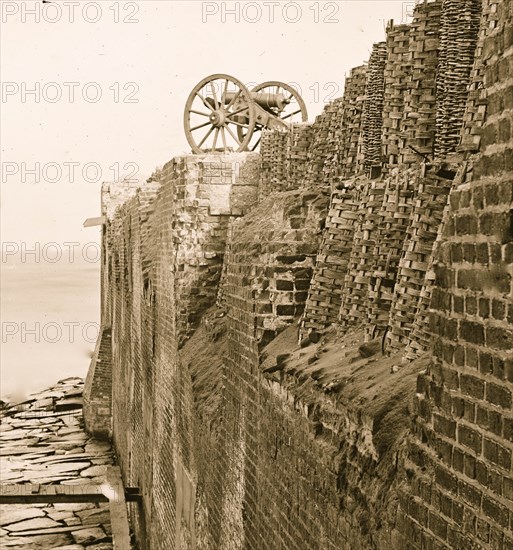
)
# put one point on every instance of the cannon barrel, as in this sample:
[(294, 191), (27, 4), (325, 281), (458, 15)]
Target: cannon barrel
[(265, 100)]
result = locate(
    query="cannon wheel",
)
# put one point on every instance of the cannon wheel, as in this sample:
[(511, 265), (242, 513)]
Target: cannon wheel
[(295, 111), (213, 124)]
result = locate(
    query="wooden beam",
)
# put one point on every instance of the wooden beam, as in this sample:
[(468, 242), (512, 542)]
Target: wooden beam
[(29, 493), (91, 222), (118, 509)]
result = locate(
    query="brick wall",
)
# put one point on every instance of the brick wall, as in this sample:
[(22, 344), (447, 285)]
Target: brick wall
[(461, 450), (163, 247)]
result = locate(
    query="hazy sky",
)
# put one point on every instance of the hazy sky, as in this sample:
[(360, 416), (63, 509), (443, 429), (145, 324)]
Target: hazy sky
[(144, 58)]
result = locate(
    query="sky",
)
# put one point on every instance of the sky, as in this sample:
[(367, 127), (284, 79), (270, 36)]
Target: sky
[(109, 82), (95, 91)]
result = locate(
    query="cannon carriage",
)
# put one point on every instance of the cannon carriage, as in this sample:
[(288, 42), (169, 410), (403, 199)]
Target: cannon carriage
[(223, 115)]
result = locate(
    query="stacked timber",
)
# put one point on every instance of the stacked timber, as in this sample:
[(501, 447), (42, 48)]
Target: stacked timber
[(372, 121), (273, 153), (317, 150), (417, 135), (393, 223), (395, 74), (419, 337), (458, 37), (324, 296), (331, 168), (431, 197), (475, 109), (351, 146), (298, 143), (355, 294)]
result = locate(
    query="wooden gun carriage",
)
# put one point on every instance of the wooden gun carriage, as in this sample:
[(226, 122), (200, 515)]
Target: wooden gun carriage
[(222, 114)]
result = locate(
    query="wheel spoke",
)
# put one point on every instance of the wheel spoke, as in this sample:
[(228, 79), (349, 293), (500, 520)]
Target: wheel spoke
[(223, 136), (199, 126), (214, 95), (229, 115), (206, 136), (232, 134), (234, 99), (216, 135), (205, 102), (198, 113), (291, 114), (223, 96), (256, 144)]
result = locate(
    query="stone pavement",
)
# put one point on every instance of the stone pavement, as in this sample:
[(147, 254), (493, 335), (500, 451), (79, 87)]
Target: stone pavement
[(42, 441)]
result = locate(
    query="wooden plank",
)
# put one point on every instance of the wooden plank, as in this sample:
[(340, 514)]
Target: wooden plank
[(92, 222), (53, 530), (29, 493), (118, 509)]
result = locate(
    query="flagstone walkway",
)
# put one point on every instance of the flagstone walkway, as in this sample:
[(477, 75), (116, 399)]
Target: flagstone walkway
[(42, 441)]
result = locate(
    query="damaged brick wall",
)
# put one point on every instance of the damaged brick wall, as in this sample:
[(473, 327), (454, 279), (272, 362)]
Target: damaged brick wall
[(295, 465), (163, 251)]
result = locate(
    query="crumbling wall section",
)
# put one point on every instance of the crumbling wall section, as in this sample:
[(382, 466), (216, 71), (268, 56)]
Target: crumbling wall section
[(272, 252), (208, 191), (97, 394)]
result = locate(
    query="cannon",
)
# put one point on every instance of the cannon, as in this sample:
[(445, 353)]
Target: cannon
[(223, 115)]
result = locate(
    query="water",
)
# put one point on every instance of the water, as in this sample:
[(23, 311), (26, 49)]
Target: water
[(50, 319)]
